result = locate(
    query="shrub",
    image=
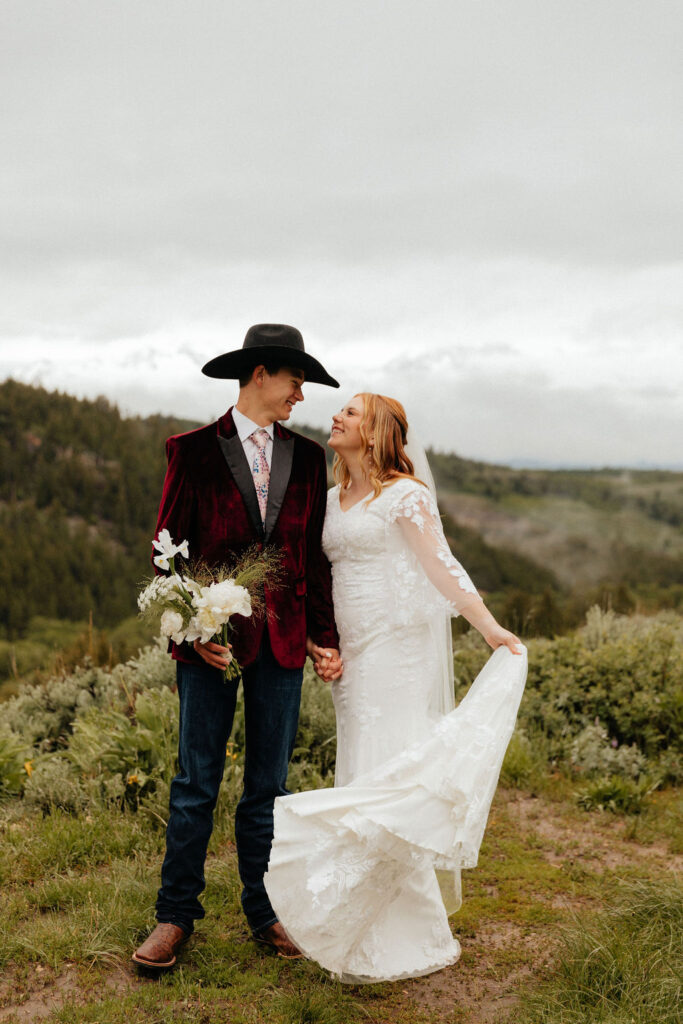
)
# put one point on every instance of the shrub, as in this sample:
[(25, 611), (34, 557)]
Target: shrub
[(316, 740), (14, 753), (593, 752), (44, 715), (627, 673), (615, 793), (108, 745), (54, 784), (524, 760), (96, 735)]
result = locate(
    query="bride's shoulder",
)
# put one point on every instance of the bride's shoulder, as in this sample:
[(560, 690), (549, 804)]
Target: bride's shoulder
[(404, 489), (402, 484)]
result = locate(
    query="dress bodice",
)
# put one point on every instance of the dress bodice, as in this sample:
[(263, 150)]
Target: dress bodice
[(357, 533), (391, 564)]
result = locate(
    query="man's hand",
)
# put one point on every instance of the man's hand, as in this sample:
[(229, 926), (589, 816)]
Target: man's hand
[(327, 662), (213, 654)]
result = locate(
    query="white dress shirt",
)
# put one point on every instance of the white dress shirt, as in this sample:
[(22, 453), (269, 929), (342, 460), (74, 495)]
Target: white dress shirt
[(246, 427)]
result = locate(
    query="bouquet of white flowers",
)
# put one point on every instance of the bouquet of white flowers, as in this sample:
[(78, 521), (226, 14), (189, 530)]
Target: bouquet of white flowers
[(199, 606)]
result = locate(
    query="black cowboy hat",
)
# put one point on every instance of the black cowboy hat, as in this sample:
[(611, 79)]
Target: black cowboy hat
[(266, 342)]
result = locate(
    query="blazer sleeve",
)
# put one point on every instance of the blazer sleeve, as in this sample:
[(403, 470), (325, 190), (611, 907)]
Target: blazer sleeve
[(320, 624), (176, 510)]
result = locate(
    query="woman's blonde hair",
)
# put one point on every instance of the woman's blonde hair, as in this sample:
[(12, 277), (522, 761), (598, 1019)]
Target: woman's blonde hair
[(384, 419)]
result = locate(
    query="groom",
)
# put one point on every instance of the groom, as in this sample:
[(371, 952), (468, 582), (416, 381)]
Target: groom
[(243, 481)]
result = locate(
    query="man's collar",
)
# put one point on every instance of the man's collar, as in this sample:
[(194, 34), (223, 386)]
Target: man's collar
[(245, 427)]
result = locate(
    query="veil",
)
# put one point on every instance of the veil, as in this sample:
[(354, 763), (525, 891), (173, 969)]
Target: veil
[(442, 698), (442, 694)]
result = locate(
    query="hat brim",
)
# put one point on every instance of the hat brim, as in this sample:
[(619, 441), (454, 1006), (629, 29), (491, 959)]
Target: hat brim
[(233, 365)]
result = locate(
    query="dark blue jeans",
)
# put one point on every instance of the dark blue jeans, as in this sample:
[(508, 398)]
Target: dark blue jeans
[(272, 695)]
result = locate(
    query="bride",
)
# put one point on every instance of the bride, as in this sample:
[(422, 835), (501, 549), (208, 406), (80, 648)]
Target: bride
[(364, 876)]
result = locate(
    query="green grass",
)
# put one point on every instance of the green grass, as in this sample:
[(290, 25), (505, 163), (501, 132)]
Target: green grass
[(79, 884), (621, 966), (78, 896)]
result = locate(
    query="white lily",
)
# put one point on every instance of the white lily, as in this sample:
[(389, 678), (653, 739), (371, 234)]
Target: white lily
[(168, 550)]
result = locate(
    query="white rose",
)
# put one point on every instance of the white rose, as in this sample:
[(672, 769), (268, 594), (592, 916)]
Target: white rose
[(172, 626), (226, 599), (215, 605)]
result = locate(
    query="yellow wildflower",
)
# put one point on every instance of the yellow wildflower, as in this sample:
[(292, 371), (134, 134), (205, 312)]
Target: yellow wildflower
[(28, 768)]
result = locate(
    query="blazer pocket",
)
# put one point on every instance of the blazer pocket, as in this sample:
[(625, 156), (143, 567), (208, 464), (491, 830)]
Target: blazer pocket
[(300, 587)]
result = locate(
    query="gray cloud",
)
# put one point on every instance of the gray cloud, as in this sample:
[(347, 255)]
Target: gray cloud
[(482, 199), (455, 400), (238, 131)]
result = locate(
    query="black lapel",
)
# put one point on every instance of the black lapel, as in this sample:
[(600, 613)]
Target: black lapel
[(280, 470), (233, 452)]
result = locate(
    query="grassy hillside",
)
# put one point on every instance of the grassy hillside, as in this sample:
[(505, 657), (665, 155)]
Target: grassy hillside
[(572, 916)]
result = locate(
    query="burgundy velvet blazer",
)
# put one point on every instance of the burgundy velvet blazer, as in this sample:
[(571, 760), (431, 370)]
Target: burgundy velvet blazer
[(209, 499)]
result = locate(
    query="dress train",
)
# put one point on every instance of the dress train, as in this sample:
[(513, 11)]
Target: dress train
[(353, 873)]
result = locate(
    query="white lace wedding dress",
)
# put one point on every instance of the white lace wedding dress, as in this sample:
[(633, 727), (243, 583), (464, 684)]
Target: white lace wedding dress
[(354, 871)]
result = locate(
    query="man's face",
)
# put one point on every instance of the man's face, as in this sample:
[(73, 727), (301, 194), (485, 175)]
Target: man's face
[(281, 391)]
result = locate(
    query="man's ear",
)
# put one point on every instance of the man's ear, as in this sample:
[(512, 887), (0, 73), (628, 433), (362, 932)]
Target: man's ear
[(258, 375)]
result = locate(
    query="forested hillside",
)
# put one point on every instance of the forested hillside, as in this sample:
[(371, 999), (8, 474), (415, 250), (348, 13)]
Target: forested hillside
[(79, 490), (80, 485)]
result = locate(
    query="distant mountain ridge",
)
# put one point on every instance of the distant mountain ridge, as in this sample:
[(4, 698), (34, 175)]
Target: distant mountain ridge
[(80, 486), (523, 463)]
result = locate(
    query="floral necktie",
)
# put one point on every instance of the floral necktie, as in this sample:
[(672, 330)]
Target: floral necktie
[(260, 469)]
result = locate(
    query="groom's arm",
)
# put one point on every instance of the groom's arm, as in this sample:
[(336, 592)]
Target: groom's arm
[(320, 624), (176, 509)]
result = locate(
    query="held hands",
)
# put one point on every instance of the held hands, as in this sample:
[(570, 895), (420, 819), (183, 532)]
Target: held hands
[(213, 654), (327, 662)]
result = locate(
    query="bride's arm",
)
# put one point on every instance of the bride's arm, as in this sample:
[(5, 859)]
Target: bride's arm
[(418, 519)]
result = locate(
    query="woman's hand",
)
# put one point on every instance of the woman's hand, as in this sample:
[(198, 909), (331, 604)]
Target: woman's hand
[(213, 654), (327, 662), (499, 637)]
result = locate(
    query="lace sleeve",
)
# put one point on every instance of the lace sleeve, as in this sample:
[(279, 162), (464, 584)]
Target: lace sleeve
[(416, 514)]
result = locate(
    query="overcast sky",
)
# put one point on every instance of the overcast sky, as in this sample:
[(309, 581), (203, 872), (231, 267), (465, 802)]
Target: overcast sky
[(473, 206)]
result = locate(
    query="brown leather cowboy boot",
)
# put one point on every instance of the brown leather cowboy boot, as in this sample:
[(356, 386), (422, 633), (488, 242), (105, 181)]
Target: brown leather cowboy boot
[(276, 937), (159, 950)]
